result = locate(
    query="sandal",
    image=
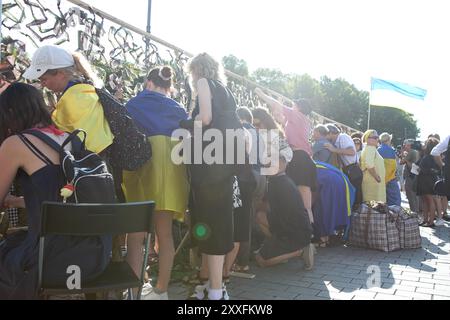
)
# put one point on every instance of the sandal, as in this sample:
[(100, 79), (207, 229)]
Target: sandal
[(226, 279), (239, 268), (197, 279)]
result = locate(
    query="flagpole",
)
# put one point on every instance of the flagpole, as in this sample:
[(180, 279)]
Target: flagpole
[(368, 116)]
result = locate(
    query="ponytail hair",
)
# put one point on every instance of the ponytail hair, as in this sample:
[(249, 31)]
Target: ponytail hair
[(161, 77), (82, 70)]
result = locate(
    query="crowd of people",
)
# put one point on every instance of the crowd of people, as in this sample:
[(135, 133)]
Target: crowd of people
[(235, 211)]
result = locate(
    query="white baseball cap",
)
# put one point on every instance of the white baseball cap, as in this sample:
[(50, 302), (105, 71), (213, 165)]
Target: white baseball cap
[(48, 58)]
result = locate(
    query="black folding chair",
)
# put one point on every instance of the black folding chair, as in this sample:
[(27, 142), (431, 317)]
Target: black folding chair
[(95, 220)]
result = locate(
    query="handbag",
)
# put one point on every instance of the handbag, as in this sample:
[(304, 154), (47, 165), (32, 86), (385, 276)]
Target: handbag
[(375, 228), (440, 188), (353, 172)]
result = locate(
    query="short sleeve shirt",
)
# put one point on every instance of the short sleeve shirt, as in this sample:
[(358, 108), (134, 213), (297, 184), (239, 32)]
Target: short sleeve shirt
[(298, 128), (344, 141), (320, 153)]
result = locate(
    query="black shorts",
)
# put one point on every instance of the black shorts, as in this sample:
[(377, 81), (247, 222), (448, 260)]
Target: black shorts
[(212, 217), (302, 170)]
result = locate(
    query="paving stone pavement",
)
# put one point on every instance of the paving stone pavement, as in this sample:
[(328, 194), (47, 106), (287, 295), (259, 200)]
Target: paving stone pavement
[(341, 273)]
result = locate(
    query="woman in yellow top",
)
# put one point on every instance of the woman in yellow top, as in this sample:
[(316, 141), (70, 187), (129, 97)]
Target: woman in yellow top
[(79, 106), (160, 179), (372, 165)]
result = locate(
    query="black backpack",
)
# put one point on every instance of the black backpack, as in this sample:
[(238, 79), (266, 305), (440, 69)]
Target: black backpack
[(130, 149), (85, 171)]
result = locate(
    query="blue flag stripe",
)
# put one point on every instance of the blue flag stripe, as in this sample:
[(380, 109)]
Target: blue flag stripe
[(402, 88)]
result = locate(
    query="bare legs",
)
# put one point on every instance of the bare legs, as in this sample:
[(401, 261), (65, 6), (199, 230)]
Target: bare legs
[(276, 260), (430, 209), (215, 267), (230, 257), (305, 193), (135, 242), (166, 252)]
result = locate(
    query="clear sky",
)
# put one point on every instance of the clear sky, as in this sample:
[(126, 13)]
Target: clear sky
[(400, 40)]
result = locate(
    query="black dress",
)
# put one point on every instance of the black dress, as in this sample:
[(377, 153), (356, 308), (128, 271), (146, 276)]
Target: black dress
[(212, 185), (428, 176), (19, 252)]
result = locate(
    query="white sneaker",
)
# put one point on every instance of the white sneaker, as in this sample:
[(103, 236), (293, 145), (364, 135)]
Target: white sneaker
[(439, 222), (148, 293)]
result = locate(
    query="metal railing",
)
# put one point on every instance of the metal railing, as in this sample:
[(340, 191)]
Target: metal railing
[(116, 48)]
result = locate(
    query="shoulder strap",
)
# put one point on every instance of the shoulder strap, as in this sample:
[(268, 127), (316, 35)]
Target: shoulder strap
[(38, 153), (104, 94), (38, 134), (77, 143)]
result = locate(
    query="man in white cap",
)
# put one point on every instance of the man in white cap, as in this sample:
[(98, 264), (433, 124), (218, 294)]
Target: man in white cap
[(79, 106), (46, 66)]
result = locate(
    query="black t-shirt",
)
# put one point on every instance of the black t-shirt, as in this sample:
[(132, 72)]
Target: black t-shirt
[(288, 217)]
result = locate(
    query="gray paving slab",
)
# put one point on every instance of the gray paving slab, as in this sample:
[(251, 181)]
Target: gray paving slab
[(341, 273)]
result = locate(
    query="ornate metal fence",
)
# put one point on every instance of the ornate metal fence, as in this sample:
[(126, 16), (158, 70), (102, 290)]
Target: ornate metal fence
[(122, 53)]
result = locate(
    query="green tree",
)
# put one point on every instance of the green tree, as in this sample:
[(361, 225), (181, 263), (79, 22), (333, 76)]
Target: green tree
[(339, 100), (344, 103), (236, 65), (273, 79), (394, 121), (304, 86)]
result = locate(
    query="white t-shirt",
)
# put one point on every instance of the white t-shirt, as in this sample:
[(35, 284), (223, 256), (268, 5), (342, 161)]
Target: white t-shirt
[(344, 141), (441, 147)]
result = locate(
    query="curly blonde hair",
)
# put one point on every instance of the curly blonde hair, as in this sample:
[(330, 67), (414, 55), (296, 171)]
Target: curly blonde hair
[(205, 66)]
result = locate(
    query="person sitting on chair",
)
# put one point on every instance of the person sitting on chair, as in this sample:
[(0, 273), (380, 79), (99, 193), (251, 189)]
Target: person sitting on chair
[(41, 177)]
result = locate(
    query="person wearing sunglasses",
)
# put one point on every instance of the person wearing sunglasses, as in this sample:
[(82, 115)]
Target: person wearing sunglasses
[(372, 165)]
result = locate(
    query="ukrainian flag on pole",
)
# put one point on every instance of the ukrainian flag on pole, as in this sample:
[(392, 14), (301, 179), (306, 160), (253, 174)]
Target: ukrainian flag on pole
[(396, 94)]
